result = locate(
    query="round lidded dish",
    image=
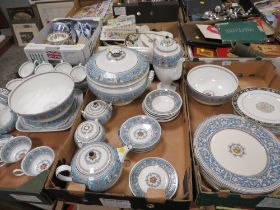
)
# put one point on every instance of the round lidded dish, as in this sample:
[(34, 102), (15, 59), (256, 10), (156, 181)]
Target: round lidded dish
[(118, 75), (98, 109), (89, 132), (212, 84), (42, 96)]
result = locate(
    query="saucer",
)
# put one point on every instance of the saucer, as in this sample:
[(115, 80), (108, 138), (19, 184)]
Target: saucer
[(26, 69), (155, 173), (61, 124), (63, 67), (15, 149), (12, 84), (36, 161), (141, 132)]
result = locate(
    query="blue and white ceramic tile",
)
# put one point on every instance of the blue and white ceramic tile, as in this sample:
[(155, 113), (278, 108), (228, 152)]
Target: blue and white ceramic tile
[(238, 151), (142, 132), (157, 173)]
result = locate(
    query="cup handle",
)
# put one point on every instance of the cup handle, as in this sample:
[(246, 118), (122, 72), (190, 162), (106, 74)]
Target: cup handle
[(18, 172), (36, 62), (62, 177), (2, 163), (151, 78)]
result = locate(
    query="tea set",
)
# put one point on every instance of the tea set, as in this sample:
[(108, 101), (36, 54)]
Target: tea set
[(70, 31)]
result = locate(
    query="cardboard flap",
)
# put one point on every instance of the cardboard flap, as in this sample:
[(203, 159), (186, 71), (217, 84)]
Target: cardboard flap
[(248, 196), (76, 189), (276, 193), (223, 193), (155, 195)]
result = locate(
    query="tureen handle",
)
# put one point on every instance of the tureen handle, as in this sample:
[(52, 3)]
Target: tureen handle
[(62, 177), (122, 152)]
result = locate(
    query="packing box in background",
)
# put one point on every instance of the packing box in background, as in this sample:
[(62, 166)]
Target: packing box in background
[(250, 74), (37, 49), (174, 143), (147, 12)]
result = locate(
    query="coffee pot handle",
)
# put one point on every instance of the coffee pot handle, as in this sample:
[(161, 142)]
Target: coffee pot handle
[(62, 177)]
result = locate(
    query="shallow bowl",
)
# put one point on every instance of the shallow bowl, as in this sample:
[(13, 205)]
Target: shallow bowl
[(42, 96), (211, 84)]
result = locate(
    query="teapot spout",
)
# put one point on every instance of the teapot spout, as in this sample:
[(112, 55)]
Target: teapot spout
[(122, 152)]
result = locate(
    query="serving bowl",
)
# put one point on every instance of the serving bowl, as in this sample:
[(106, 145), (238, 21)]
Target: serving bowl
[(43, 96), (118, 75), (211, 84)]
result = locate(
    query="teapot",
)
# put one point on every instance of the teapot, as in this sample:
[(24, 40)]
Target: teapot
[(167, 62), (98, 166)]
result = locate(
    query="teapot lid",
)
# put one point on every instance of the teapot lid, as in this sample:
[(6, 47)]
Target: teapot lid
[(117, 66), (166, 44), (95, 159)]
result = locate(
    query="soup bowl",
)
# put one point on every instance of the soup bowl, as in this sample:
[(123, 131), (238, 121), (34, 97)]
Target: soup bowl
[(43, 96)]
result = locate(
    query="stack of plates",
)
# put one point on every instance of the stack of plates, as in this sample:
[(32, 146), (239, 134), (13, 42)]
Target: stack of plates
[(162, 105), (260, 105), (238, 155)]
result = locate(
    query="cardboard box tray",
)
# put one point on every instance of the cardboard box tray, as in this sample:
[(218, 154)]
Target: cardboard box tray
[(250, 74), (173, 146)]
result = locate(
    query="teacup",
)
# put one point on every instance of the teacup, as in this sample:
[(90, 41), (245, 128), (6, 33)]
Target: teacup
[(36, 161), (43, 68), (15, 149), (60, 27), (63, 67), (85, 28), (78, 73), (27, 68)]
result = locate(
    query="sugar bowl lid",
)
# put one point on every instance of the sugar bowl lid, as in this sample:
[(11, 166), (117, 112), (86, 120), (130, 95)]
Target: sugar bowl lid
[(167, 44), (96, 108), (117, 66), (95, 159), (87, 130)]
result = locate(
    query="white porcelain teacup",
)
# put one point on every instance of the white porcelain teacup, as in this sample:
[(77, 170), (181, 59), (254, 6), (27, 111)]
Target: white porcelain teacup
[(15, 149), (43, 68), (36, 161)]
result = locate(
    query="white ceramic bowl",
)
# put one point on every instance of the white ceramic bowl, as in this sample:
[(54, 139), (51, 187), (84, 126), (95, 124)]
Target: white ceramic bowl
[(42, 96), (212, 84)]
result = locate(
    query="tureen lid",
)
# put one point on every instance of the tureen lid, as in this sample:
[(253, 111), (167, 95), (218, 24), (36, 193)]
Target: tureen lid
[(117, 66), (95, 159), (87, 130)]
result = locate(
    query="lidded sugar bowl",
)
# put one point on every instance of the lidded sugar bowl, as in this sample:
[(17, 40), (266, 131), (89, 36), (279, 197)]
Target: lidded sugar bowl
[(167, 61), (118, 75), (98, 166), (89, 132), (98, 109)]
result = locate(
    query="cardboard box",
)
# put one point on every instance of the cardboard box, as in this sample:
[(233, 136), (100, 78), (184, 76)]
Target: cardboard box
[(25, 188), (149, 12), (250, 73), (173, 146), (37, 49)]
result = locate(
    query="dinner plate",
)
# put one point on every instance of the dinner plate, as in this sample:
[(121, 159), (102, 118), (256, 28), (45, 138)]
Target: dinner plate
[(242, 156), (262, 105), (155, 173)]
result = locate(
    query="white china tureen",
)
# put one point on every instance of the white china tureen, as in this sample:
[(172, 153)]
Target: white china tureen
[(98, 166), (118, 75)]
